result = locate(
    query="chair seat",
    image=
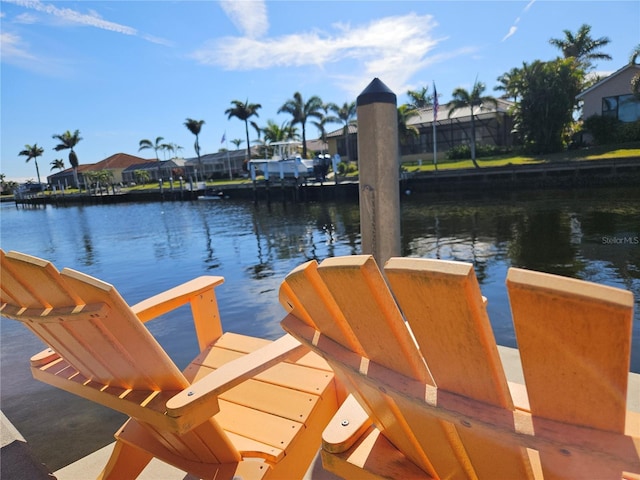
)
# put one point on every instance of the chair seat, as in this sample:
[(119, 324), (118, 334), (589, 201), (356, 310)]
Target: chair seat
[(263, 416)]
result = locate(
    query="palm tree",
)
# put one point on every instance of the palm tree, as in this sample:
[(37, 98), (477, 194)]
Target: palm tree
[(301, 111), (147, 144), (635, 81), (69, 140), (33, 152), (167, 147), (194, 126), (57, 164), (345, 114), (244, 111), (461, 98), (581, 46), (173, 148), (237, 142), (510, 83), (321, 126), (141, 176), (279, 133), (406, 131), (419, 98)]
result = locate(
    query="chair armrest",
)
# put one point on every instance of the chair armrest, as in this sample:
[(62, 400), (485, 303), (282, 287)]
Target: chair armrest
[(199, 292), (43, 357), (346, 427), (198, 402)]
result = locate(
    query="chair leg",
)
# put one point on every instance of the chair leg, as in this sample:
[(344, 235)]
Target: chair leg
[(126, 462)]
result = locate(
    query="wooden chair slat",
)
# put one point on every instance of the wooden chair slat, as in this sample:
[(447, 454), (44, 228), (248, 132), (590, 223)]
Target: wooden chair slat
[(260, 426), (14, 291), (40, 281), (241, 343), (362, 294), (443, 305), (266, 396), (249, 447), (391, 421), (574, 339), (373, 457), (312, 300), (125, 333), (276, 400), (297, 377)]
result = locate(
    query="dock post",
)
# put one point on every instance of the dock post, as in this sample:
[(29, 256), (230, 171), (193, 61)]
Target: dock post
[(378, 155), (266, 184), (252, 171)]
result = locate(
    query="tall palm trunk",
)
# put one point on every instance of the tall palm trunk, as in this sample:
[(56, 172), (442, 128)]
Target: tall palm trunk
[(73, 160), (38, 173), (246, 131), (473, 139), (346, 141)]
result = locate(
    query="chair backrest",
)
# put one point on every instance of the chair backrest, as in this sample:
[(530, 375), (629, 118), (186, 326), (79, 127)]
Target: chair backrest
[(87, 323), (101, 341), (417, 350)]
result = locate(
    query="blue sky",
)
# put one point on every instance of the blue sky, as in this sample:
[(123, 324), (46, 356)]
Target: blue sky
[(121, 71)]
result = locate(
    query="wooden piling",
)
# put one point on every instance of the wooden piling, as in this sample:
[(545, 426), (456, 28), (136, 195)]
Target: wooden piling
[(378, 155)]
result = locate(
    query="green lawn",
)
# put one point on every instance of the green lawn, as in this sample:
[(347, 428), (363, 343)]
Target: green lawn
[(593, 153)]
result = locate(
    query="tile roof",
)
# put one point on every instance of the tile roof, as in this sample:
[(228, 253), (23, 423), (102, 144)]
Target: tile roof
[(120, 160)]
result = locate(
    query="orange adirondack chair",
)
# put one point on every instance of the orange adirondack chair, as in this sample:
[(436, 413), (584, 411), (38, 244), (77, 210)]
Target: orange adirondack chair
[(244, 408), (429, 396)]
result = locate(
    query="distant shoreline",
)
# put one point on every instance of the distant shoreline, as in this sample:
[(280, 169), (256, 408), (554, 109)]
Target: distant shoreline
[(570, 174)]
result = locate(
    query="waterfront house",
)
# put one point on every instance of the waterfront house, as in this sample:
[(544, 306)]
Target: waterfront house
[(218, 165), (115, 164), (337, 142), (65, 178), (494, 125), (164, 169), (612, 96)]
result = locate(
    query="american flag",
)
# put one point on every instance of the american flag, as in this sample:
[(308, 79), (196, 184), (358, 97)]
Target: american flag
[(224, 136), (435, 102)]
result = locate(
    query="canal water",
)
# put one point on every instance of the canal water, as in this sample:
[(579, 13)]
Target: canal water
[(145, 248)]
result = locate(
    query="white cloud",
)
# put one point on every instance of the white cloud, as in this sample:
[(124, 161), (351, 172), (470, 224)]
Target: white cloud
[(26, 18), (391, 48), (512, 30), (72, 16), (12, 46), (514, 27), (249, 17), (17, 52), (91, 19)]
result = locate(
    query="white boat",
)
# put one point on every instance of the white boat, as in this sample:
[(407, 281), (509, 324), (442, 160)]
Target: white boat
[(211, 195), (285, 162)]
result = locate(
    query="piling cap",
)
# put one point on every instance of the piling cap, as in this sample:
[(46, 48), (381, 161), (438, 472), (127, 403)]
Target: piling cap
[(376, 92)]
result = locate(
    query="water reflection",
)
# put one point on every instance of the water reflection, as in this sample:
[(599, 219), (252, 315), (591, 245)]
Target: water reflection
[(85, 234), (545, 241)]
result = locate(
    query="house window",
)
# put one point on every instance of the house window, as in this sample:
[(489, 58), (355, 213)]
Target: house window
[(625, 108)]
